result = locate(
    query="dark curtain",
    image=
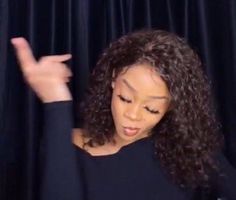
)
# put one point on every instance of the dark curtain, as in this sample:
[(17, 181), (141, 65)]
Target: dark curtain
[(84, 28)]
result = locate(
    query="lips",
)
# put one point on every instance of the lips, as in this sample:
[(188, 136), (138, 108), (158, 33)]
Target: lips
[(130, 131)]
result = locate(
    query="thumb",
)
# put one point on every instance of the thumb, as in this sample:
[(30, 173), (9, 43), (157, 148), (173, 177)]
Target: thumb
[(23, 52)]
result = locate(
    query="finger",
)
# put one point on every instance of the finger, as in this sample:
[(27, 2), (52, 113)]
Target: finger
[(64, 72), (55, 70), (23, 52), (69, 72), (66, 79), (56, 58)]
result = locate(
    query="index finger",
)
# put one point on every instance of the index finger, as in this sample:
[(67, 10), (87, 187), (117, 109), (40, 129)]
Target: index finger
[(23, 52)]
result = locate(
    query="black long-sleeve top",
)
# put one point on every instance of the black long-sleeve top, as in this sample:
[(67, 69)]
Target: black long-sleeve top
[(133, 173)]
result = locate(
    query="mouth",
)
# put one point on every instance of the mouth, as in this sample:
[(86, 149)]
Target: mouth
[(130, 131)]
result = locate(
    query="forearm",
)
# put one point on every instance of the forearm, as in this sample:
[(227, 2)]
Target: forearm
[(60, 179)]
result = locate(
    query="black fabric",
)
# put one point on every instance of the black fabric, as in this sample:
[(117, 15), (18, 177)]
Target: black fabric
[(84, 28), (133, 172), (59, 174)]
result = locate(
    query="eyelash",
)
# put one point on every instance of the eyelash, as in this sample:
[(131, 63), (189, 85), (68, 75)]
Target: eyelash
[(129, 101)]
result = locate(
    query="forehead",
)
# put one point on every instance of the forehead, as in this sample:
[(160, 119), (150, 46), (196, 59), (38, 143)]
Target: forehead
[(144, 78)]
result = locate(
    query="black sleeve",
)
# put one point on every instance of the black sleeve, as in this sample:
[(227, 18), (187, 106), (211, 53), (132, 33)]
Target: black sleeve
[(60, 179), (226, 180)]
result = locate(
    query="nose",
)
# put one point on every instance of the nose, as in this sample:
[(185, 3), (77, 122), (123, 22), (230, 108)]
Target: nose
[(133, 112)]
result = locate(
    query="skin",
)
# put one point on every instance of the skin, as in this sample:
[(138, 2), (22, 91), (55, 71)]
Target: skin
[(131, 103), (47, 76), (140, 99)]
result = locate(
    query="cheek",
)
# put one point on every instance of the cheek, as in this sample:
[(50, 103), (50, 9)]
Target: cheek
[(151, 121), (116, 107)]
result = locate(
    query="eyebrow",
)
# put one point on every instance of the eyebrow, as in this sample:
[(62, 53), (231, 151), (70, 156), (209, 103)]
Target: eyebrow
[(133, 89)]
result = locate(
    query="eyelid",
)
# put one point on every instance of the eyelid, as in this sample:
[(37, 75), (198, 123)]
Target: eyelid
[(124, 99), (146, 107), (152, 111)]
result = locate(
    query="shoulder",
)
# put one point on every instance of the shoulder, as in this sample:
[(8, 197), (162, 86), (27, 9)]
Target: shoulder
[(77, 137), (224, 163), (225, 180)]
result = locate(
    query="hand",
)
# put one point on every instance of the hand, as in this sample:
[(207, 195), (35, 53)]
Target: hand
[(48, 76)]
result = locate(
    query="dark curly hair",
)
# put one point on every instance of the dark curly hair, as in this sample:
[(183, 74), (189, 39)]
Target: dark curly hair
[(188, 136)]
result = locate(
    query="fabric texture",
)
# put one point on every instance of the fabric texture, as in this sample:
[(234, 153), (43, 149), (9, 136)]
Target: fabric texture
[(84, 28), (70, 172)]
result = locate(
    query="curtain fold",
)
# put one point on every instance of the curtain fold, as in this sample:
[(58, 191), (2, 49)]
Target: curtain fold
[(84, 29)]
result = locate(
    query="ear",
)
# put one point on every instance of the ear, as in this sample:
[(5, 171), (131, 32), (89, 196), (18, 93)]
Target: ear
[(113, 80), (113, 84)]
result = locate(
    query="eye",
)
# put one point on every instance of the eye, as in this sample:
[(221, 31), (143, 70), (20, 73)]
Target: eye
[(152, 111), (124, 99)]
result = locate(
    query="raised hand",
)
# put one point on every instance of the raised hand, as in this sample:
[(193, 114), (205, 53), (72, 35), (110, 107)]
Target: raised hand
[(48, 76)]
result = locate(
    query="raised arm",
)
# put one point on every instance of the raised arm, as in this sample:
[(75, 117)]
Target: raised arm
[(61, 176), (48, 77)]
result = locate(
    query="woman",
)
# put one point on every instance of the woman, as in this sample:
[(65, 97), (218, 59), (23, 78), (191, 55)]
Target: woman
[(149, 130)]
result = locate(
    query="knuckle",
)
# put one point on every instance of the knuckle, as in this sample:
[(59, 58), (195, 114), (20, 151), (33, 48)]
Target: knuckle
[(62, 68), (69, 72)]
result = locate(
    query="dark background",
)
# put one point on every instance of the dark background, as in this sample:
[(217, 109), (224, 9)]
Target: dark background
[(84, 28)]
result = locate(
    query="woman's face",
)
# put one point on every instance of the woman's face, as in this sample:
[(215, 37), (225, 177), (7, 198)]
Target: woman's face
[(140, 99)]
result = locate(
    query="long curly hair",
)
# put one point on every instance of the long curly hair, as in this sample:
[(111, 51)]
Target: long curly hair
[(188, 136)]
